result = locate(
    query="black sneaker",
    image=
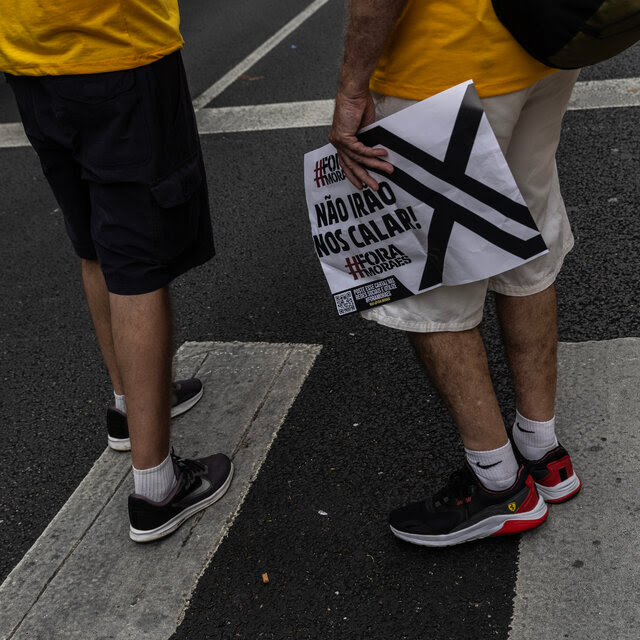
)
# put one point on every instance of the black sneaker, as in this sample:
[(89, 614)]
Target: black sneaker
[(117, 430), (184, 394), (464, 510), (200, 483), (556, 481)]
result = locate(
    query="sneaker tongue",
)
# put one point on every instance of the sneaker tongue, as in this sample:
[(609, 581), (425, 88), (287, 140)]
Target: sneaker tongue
[(190, 470), (188, 483), (438, 503), (443, 498), (458, 488)]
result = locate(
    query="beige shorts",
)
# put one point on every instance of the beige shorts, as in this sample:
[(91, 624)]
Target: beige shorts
[(527, 126)]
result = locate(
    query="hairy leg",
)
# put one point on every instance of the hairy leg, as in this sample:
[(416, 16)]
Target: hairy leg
[(530, 334), (456, 363), (142, 338), (97, 296)]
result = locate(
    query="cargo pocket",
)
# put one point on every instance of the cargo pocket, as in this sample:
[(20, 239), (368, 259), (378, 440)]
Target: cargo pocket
[(179, 202)]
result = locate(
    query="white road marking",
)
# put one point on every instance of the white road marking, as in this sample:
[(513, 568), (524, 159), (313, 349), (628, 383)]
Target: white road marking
[(606, 94), (83, 578), (578, 573), (600, 94), (266, 117), (12, 135), (242, 67)]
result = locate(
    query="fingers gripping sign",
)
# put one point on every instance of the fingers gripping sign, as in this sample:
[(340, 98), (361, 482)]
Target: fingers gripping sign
[(370, 24), (350, 115), (449, 213)]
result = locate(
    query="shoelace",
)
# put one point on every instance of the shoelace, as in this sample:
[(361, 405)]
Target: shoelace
[(461, 485), (190, 469)]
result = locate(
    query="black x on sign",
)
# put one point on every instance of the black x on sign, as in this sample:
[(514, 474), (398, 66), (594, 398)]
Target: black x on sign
[(450, 213), (452, 170)]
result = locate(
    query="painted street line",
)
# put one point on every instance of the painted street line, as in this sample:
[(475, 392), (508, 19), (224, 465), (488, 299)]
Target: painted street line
[(12, 135), (600, 94), (84, 578), (242, 67), (606, 94), (266, 117), (578, 573)]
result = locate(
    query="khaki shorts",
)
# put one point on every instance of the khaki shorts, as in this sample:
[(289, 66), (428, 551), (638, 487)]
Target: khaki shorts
[(527, 126)]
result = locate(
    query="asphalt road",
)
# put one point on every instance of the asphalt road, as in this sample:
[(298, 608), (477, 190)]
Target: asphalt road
[(366, 431)]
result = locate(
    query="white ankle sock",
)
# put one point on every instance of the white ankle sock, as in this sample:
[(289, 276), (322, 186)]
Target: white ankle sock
[(496, 469), (534, 439), (155, 483), (121, 404)]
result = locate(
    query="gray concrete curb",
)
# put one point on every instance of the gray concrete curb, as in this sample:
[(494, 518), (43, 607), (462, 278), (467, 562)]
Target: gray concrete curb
[(84, 578), (578, 573)]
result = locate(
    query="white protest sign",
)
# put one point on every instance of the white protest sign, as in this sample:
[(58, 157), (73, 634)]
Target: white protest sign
[(450, 213)]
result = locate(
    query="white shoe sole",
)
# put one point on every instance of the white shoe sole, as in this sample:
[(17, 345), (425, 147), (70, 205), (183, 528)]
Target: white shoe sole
[(170, 526), (119, 444), (124, 444), (179, 409), (495, 525), (562, 491)]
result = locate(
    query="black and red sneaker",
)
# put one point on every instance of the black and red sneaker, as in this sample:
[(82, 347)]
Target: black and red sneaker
[(556, 481), (464, 510), (200, 483)]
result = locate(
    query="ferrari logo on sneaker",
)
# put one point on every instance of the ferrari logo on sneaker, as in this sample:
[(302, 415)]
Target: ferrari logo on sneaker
[(512, 506)]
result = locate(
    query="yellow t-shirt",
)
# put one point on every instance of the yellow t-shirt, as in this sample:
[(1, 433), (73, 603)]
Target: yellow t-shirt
[(57, 37), (437, 44)]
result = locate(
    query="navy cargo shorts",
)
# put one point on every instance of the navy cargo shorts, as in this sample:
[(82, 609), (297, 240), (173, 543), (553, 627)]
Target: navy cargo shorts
[(122, 155)]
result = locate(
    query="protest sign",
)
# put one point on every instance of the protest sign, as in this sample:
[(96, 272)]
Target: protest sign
[(450, 213)]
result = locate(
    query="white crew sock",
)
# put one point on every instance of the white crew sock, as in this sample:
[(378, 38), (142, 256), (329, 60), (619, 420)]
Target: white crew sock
[(155, 483), (496, 469), (534, 439), (121, 403)]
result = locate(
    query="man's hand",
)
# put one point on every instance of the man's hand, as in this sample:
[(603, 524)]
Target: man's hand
[(351, 113), (369, 26)]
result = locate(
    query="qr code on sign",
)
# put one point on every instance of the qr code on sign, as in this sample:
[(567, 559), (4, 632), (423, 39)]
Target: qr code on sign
[(345, 303)]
